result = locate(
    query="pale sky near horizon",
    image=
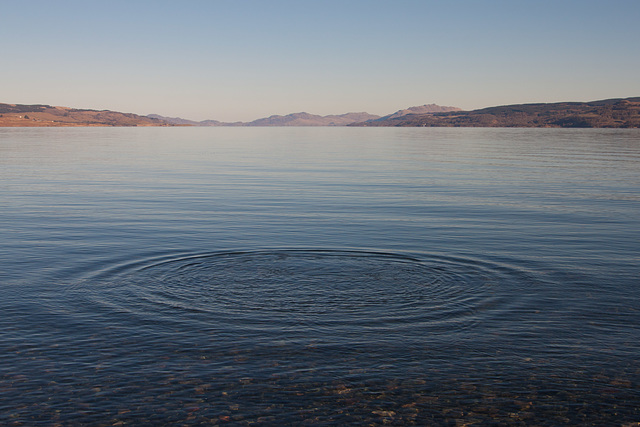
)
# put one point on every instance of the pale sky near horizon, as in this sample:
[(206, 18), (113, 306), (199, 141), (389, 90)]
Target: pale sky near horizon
[(236, 60)]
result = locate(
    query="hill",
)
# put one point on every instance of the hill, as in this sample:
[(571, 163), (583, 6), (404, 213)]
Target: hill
[(179, 121), (421, 109), (17, 115), (609, 113), (306, 119)]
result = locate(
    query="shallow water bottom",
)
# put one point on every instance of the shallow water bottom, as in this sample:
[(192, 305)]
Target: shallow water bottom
[(307, 336)]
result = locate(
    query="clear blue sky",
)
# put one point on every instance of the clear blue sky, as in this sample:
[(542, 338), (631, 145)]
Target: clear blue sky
[(244, 59)]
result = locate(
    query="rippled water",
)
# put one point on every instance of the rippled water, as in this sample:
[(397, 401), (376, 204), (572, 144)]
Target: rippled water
[(324, 276)]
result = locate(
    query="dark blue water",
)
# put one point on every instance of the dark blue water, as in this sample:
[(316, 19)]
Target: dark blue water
[(325, 276)]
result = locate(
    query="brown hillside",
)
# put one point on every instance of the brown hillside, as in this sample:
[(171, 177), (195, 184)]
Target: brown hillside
[(16, 115)]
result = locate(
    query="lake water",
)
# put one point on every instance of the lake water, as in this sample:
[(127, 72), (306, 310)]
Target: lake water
[(319, 275)]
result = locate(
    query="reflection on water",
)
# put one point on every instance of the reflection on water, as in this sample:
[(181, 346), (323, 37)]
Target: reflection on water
[(287, 276)]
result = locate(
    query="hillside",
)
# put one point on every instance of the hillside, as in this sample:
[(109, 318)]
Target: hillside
[(421, 109), (610, 113), (16, 115)]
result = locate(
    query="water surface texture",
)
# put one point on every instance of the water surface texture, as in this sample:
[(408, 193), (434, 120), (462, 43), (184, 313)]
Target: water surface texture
[(319, 275)]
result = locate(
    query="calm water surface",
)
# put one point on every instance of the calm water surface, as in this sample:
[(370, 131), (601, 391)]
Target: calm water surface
[(325, 276)]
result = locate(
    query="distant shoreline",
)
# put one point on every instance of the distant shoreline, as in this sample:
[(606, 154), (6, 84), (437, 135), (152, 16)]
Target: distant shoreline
[(609, 113)]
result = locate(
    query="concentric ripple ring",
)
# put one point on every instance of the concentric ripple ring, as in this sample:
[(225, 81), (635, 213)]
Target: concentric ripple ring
[(343, 294)]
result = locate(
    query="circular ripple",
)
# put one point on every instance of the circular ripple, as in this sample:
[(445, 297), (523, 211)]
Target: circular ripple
[(344, 294)]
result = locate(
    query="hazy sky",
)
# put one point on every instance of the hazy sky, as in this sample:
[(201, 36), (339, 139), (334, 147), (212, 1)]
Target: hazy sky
[(244, 59)]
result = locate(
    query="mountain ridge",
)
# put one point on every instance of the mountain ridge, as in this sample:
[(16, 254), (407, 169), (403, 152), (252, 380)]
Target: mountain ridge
[(293, 119)]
